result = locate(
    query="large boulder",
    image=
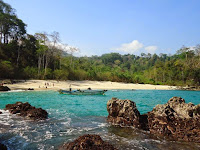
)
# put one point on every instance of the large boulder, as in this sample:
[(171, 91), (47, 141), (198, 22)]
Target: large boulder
[(88, 142), (26, 110), (3, 147), (176, 120), (4, 88), (123, 113)]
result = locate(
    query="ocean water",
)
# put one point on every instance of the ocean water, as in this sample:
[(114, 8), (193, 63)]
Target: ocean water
[(71, 116)]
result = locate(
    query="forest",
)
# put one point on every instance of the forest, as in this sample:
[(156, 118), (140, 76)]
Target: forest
[(42, 56)]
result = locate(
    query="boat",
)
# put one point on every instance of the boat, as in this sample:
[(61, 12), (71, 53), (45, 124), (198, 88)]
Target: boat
[(82, 92)]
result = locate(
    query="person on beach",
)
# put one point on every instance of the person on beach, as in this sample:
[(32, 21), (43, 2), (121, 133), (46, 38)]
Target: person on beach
[(70, 89)]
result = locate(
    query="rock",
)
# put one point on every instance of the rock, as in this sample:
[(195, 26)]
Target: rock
[(88, 142), (123, 113), (0, 112), (26, 110), (3, 147), (176, 120), (30, 89), (4, 88)]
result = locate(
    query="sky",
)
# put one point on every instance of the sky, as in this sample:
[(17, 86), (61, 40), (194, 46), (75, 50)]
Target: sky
[(123, 26)]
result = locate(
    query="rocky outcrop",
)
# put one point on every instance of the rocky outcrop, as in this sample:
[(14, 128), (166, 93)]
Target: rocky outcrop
[(4, 88), (176, 120), (88, 142), (189, 88), (26, 110), (3, 147), (123, 113)]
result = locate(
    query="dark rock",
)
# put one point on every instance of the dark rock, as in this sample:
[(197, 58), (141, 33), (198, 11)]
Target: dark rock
[(123, 113), (26, 110), (144, 122), (30, 89), (4, 88), (88, 142), (0, 112), (3, 147), (176, 120), (189, 88)]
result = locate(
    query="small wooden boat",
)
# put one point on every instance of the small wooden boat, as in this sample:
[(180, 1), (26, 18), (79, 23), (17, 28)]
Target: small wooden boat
[(83, 92)]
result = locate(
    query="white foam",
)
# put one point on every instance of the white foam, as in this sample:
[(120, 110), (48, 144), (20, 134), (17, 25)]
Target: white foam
[(17, 91), (4, 117), (102, 125), (48, 135)]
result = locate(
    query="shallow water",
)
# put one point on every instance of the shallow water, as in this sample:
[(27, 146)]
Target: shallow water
[(71, 116)]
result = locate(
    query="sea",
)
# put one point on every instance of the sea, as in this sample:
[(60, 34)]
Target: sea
[(71, 116)]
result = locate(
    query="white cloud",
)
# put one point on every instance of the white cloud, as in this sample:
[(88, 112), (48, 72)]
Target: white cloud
[(151, 49), (132, 47)]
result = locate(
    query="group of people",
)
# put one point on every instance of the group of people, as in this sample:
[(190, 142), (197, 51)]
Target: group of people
[(46, 84)]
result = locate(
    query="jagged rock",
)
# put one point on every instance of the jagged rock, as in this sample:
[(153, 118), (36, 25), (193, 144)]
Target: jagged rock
[(176, 120), (3, 147), (4, 88), (88, 142), (123, 113), (26, 110)]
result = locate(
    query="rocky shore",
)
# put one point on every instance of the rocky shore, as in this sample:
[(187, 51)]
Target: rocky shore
[(123, 112), (175, 120), (88, 142), (26, 110), (4, 88), (189, 88)]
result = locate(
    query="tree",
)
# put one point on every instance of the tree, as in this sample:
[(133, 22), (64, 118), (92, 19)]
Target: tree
[(11, 27), (72, 50)]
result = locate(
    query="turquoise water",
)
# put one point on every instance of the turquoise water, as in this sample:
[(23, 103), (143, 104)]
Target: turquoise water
[(72, 116)]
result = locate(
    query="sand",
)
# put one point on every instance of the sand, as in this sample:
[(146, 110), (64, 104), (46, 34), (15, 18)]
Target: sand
[(56, 85)]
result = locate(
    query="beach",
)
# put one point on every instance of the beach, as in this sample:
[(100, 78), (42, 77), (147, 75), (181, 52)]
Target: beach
[(107, 85)]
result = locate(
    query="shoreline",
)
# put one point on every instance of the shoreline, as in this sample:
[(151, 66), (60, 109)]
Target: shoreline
[(43, 85)]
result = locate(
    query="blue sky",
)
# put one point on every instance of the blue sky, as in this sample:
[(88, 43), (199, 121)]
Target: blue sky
[(124, 26)]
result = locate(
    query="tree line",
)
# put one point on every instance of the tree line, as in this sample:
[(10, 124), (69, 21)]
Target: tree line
[(42, 56)]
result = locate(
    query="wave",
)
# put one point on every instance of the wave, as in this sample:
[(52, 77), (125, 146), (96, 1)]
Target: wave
[(16, 91)]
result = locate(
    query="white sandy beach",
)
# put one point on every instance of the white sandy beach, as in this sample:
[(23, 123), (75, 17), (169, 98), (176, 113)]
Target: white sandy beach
[(56, 85)]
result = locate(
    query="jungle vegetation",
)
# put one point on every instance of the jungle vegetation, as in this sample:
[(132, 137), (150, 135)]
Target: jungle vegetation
[(42, 56)]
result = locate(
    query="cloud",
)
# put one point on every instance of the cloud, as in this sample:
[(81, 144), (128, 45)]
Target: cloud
[(151, 49), (132, 47)]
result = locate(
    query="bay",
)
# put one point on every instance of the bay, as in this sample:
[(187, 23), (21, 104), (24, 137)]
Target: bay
[(71, 116)]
